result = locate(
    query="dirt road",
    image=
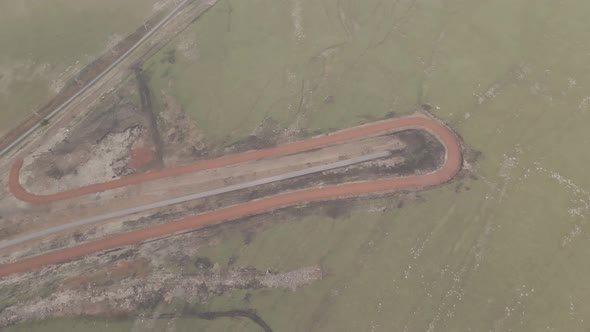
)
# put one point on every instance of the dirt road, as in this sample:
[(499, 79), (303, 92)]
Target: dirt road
[(183, 199), (452, 164), (410, 122)]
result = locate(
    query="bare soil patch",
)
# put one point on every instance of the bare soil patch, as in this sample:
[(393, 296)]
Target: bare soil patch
[(96, 150)]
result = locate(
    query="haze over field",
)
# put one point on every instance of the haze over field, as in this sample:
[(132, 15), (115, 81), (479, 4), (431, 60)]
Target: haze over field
[(502, 247)]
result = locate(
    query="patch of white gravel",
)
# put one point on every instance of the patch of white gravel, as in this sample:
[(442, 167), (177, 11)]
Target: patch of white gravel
[(129, 295), (112, 152), (187, 47), (293, 279), (97, 165)]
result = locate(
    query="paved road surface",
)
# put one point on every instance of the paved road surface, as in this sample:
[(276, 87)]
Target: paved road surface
[(452, 164), (187, 198), (97, 78)]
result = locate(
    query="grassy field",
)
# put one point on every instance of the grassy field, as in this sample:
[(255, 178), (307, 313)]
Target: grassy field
[(44, 42), (85, 325), (507, 251), (319, 77)]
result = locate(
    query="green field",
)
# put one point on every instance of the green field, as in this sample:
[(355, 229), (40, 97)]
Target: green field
[(505, 252), (86, 325), (42, 42)]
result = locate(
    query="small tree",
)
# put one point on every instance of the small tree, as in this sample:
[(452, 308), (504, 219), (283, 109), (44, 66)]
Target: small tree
[(44, 123)]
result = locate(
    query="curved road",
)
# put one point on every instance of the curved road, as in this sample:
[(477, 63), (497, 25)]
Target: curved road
[(452, 164), (409, 122)]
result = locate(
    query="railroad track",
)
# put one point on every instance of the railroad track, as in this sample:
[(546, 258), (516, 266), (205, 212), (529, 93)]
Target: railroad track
[(93, 82)]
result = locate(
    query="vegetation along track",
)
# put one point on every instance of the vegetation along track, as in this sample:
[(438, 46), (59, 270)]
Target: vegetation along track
[(452, 164)]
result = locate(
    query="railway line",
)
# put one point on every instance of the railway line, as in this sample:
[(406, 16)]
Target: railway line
[(94, 81)]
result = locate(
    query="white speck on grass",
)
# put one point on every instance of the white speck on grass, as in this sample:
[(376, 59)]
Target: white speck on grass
[(297, 16), (584, 104), (571, 82)]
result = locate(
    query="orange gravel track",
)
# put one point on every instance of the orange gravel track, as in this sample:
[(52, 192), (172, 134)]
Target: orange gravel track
[(418, 122), (453, 162)]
